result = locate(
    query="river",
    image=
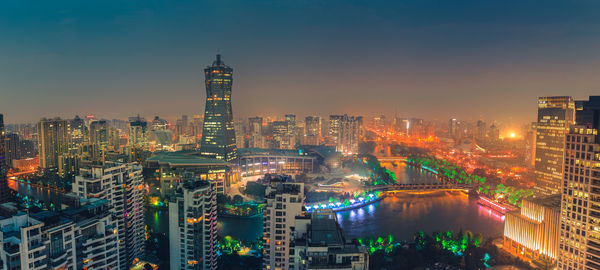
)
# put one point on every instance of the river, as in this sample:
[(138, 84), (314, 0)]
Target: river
[(400, 215)]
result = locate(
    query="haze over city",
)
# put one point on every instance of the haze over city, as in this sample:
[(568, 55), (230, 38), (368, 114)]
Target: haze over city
[(295, 135), (435, 59)]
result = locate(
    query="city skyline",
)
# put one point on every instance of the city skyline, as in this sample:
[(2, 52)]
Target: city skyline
[(293, 135), (379, 58)]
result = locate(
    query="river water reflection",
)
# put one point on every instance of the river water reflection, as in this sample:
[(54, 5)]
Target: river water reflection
[(400, 215)]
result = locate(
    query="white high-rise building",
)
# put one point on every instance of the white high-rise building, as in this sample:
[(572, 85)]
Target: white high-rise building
[(22, 243), (284, 202), (121, 185), (77, 238), (193, 226)]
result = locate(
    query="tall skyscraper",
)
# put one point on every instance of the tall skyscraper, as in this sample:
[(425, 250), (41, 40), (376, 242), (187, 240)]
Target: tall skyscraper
[(53, 141), (555, 116), (283, 203), (579, 246), (193, 226), (121, 185), (346, 132), (4, 192), (218, 133)]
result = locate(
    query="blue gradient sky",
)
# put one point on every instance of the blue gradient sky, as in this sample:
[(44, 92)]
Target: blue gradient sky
[(432, 59)]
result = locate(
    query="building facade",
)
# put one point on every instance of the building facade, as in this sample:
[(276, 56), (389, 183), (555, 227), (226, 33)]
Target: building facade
[(532, 232), (83, 237), (138, 133), (254, 161), (218, 132), (122, 186), (579, 246), (4, 191), (555, 116), (193, 226), (172, 168), (284, 201), (319, 243)]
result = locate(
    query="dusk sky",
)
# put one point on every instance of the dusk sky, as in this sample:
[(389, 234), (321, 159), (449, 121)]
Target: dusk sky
[(471, 60)]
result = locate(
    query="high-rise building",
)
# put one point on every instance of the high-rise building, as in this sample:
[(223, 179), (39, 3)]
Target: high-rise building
[(379, 123), (555, 116), (53, 141), (587, 112), (281, 135), (99, 133), (579, 246), (284, 201), (291, 121), (346, 132), (218, 133), (12, 144), (78, 131), (121, 185), (23, 244), (193, 226), (83, 237), (159, 124), (334, 129), (4, 191), (312, 130), (138, 133)]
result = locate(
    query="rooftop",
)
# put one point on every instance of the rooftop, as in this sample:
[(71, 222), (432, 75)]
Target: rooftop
[(552, 201), (324, 229), (184, 158), (269, 152)]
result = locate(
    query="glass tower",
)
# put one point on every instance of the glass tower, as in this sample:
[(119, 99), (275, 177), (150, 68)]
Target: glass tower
[(218, 133)]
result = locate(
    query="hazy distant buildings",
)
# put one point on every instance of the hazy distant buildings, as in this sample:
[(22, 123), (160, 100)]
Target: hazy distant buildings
[(193, 226), (281, 135), (379, 123), (555, 116), (4, 191), (100, 133), (53, 141), (579, 246), (138, 133), (346, 132), (159, 124), (218, 133), (78, 132), (312, 130), (256, 138)]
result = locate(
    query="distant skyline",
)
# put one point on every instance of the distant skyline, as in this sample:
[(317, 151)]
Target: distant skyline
[(417, 58)]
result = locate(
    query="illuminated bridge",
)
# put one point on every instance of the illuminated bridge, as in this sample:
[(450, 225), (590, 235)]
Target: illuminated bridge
[(424, 187)]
